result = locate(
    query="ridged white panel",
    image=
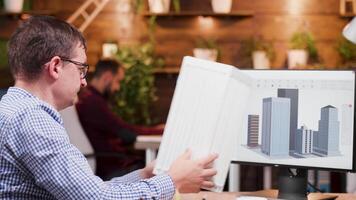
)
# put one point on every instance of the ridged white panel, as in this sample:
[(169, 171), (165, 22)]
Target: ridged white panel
[(205, 115)]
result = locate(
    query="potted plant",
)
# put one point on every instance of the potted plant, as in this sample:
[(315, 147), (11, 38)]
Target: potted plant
[(221, 6), (261, 52), (137, 91), (14, 6), (347, 52), (302, 48), (206, 49), (109, 49), (162, 6)]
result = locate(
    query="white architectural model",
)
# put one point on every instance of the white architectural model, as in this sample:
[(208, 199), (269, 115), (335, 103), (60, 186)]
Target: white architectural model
[(205, 115)]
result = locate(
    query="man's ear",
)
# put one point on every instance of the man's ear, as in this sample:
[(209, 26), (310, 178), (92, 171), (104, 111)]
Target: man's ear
[(54, 67)]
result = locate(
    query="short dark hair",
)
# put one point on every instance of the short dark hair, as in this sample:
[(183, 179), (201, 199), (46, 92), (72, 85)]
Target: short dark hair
[(36, 41), (105, 65)]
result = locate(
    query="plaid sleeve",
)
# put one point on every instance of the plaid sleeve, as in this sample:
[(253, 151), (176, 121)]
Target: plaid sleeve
[(128, 178), (157, 187), (59, 167)]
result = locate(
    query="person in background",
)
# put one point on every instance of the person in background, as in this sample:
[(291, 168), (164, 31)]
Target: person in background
[(47, 58), (106, 131)]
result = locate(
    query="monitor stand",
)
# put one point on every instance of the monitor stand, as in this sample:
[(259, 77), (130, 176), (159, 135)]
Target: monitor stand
[(293, 186)]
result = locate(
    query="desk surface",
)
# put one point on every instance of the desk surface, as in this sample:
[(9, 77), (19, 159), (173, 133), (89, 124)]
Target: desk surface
[(263, 193), (148, 142)]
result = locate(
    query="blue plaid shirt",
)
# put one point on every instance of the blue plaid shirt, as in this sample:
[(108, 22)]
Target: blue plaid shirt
[(37, 161)]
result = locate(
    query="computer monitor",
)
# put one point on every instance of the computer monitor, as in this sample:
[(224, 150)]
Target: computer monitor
[(299, 119)]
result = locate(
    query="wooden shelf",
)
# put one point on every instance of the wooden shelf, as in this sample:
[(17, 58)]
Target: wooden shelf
[(205, 14), (348, 15), (167, 70), (25, 14)]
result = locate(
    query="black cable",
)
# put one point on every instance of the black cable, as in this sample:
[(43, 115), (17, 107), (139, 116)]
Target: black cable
[(291, 173), (315, 188)]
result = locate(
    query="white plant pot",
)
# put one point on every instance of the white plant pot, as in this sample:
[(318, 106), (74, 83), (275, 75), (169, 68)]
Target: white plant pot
[(159, 6), (14, 6), (221, 6), (297, 58), (260, 60), (206, 54), (109, 50)]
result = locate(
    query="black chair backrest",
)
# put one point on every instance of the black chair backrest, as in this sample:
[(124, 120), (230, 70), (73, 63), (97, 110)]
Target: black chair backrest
[(2, 92)]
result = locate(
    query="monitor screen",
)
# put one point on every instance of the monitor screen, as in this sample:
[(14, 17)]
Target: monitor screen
[(299, 118)]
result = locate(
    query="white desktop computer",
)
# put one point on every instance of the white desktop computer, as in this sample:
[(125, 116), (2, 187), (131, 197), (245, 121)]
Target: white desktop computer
[(300, 119)]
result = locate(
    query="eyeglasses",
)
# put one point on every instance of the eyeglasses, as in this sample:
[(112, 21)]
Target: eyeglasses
[(84, 67)]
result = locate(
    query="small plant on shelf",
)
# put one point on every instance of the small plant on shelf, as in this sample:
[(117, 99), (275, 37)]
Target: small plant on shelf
[(261, 51), (304, 40), (302, 50), (206, 48)]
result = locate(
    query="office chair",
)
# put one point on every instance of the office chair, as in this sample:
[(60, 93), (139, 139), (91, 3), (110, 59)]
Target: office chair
[(77, 135), (80, 140)]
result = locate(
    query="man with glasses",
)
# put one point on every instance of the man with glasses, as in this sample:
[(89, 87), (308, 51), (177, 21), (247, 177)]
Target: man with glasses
[(47, 58)]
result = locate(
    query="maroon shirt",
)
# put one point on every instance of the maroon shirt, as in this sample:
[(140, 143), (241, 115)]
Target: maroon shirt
[(107, 132)]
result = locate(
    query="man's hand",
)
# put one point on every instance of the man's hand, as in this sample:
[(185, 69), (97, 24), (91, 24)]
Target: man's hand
[(190, 175), (147, 172)]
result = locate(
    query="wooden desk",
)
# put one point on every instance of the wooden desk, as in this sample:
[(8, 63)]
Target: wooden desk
[(263, 193)]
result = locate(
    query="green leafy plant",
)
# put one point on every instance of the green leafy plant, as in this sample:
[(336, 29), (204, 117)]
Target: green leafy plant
[(176, 5), (304, 40), (27, 5), (137, 91), (347, 51), (206, 43), (138, 5), (258, 44)]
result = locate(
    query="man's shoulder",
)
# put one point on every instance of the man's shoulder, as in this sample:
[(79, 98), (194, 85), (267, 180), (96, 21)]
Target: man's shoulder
[(12, 107), (26, 108)]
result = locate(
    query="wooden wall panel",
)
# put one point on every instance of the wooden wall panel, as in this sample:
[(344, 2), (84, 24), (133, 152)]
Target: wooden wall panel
[(274, 20), (289, 6)]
